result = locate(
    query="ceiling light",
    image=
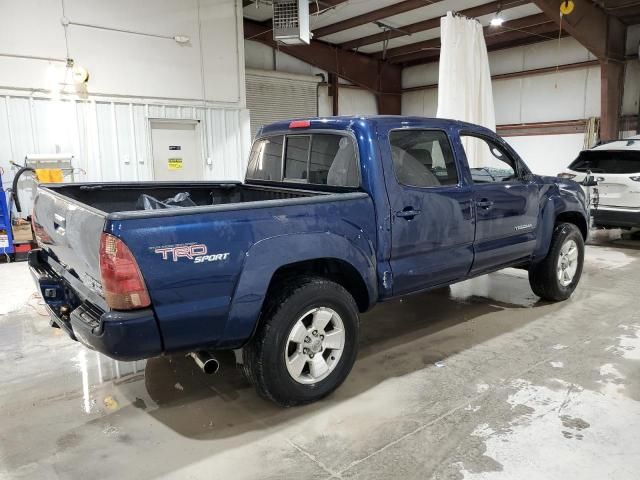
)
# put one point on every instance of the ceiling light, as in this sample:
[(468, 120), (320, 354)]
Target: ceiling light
[(497, 20)]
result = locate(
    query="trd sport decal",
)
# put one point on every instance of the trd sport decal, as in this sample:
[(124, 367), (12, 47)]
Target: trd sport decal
[(196, 252)]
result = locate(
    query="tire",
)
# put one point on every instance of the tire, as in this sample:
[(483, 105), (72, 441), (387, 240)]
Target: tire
[(302, 303), (544, 277)]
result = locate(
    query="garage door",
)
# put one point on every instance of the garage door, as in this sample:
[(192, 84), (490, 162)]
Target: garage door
[(272, 97)]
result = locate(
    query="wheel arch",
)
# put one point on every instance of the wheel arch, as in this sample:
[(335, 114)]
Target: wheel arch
[(270, 261), (577, 219), (558, 209)]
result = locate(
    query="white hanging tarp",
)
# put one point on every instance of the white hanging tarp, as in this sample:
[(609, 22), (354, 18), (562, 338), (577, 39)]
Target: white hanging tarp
[(464, 83)]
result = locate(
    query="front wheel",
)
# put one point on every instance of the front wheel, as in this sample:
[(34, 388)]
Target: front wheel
[(557, 276), (306, 343)]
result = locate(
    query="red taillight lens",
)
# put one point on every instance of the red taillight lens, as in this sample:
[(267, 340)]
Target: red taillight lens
[(122, 282), (300, 124)]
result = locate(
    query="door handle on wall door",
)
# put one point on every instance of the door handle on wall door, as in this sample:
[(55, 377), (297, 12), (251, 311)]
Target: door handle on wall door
[(484, 203), (408, 213)]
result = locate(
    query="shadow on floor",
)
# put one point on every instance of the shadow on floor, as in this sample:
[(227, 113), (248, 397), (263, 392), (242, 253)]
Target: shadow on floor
[(397, 338)]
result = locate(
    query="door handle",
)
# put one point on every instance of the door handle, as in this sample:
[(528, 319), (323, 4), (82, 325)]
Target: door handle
[(408, 213), (484, 203)]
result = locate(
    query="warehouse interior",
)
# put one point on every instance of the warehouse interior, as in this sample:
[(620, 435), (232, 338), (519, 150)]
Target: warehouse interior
[(480, 378)]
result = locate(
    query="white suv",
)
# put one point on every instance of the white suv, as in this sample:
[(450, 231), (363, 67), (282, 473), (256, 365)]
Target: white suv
[(616, 168)]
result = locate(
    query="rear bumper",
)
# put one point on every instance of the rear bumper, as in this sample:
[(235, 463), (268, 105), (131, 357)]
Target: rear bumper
[(616, 217), (132, 335)]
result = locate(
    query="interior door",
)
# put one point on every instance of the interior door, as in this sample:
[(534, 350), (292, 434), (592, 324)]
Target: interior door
[(176, 151), (506, 203), (432, 227)]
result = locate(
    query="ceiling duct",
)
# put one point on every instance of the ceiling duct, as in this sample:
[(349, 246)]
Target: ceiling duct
[(291, 22)]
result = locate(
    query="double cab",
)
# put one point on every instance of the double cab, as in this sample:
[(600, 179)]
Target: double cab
[(334, 216)]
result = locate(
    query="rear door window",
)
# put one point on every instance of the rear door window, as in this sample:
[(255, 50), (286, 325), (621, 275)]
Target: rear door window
[(423, 158)]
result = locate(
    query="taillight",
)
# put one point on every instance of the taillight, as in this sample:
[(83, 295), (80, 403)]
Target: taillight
[(122, 282), (566, 175), (635, 179)]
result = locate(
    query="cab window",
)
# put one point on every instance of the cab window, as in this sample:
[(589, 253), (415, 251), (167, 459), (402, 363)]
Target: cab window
[(318, 159)]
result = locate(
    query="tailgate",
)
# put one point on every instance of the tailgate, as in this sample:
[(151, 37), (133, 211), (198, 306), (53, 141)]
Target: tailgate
[(618, 190), (70, 232)]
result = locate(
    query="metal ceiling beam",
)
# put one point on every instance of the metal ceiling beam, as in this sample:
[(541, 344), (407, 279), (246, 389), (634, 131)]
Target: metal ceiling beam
[(381, 78), (534, 34), (511, 43), (519, 27), (602, 34), (369, 17), (480, 10)]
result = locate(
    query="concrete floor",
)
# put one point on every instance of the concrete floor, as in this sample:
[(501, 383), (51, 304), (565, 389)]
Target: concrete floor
[(479, 381)]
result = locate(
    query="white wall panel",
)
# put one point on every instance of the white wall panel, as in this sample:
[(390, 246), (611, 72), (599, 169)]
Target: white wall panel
[(258, 56), (552, 53), (631, 89), (547, 154), (420, 75), (507, 100), (633, 40), (421, 103), (209, 67), (110, 140), (518, 59), (565, 95), (32, 27), (355, 101), (556, 96)]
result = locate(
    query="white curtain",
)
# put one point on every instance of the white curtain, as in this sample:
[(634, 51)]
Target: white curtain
[(464, 83)]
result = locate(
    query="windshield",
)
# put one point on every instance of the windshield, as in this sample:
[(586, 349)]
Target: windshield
[(607, 161)]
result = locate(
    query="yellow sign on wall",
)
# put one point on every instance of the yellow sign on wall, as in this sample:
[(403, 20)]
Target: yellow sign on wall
[(175, 164)]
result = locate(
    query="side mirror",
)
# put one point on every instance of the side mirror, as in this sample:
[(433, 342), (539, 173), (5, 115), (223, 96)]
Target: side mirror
[(589, 181)]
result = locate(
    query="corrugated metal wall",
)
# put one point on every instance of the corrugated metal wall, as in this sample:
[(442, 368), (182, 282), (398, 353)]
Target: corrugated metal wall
[(279, 96), (110, 140)]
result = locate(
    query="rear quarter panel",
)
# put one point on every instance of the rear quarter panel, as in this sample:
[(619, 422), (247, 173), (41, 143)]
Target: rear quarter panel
[(193, 299)]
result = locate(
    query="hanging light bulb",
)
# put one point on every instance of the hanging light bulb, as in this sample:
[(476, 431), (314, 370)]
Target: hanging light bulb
[(497, 19)]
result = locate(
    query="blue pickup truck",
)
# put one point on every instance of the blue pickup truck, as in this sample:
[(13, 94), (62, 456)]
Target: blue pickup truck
[(335, 215)]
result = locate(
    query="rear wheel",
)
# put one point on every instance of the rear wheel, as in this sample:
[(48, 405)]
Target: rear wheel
[(556, 277), (306, 343)]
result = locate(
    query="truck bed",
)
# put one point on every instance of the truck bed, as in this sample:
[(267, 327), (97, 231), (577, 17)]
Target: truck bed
[(124, 197)]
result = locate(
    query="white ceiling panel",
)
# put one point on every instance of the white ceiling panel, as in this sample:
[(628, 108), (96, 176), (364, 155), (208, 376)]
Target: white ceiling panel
[(511, 14), (357, 32), (353, 8), (400, 41), (437, 9), (349, 9), (259, 13)]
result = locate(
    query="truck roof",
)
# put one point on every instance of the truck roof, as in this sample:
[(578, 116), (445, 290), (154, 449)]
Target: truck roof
[(348, 121)]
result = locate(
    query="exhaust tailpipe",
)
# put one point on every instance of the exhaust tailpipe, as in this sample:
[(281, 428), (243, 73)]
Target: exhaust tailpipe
[(207, 363)]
